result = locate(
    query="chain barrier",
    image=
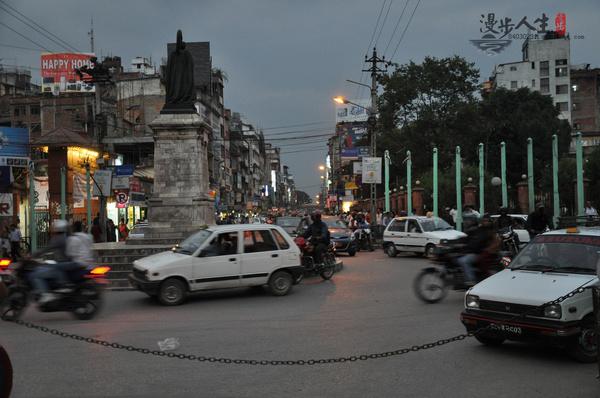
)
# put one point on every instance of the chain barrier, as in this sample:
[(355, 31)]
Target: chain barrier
[(322, 361)]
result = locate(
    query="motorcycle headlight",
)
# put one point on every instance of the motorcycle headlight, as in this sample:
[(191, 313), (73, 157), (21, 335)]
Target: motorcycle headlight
[(553, 311), (352, 237), (472, 301)]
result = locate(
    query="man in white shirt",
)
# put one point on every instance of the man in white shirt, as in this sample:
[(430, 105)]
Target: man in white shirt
[(15, 242), (590, 211)]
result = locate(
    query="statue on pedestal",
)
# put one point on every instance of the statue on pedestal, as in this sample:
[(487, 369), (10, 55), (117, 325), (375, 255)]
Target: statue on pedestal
[(179, 80)]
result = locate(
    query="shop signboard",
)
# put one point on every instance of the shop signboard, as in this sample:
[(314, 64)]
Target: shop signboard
[(137, 199), (102, 183), (135, 185), (79, 191), (14, 146), (41, 192), (124, 170), (6, 204), (59, 73), (352, 113), (120, 182), (371, 170), (356, 168)]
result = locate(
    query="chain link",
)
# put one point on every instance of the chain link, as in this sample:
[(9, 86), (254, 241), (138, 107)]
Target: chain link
[(300, 362)]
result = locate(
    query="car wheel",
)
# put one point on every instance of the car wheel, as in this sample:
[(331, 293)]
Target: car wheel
[(488, 339), (172, 292), (280, 283), (583, 348), (429, 249), (352, 252), (391, 250)]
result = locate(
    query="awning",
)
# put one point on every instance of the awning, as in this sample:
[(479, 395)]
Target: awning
[(61, 137)]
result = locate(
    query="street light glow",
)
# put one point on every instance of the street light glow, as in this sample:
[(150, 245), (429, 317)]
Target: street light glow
[(339, 99), (321, 167)]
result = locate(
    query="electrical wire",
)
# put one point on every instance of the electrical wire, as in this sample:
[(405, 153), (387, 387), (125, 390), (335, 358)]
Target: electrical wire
[(383, 24), (405, 28), (25, 37), (19, 47), (395, 28), (65, 44)]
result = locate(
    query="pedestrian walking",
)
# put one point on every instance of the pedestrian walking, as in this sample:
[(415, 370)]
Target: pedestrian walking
[(590, 211), (111, 231), (123, 230), (96, 230), (15, 242)]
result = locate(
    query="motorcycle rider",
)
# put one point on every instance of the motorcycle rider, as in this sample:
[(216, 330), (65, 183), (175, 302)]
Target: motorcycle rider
[(319, 234), (58, 247), (79, 246), (479, 238), (504, 220), (361, 226), (538, 221)]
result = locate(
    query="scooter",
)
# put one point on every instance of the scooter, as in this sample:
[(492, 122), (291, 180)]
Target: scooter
[(83, 300)]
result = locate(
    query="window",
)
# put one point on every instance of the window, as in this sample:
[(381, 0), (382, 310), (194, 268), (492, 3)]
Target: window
[(283, 244), (513, 68), (560, 62), (544, 69), (397, 226), (224, 244), (258, 241), (533, 83), (574, 106), (561, 72), (191, 244), (34, 110), (576, 126), (513, 84), (545, 86), (533, 65), (574, 87), (413, 226), (562, 106), (562, 89)]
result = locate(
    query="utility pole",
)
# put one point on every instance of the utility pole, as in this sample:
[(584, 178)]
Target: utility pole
[(375, 71), (91, 35)]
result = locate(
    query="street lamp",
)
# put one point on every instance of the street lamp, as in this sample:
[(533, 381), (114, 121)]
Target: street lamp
[(321, 167)]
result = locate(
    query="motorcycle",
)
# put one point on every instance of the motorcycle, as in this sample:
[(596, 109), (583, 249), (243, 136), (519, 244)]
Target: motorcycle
[(432, 284), (509, 240), (326, 269), (362, 237), (83, 300)]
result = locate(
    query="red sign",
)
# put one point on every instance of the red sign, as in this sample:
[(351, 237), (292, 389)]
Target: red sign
[(135, 185), (122, 198), (59, 75), (560, 22)]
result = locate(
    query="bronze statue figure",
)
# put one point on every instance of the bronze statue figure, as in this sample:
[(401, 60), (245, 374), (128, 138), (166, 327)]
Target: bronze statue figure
[(179, 80)]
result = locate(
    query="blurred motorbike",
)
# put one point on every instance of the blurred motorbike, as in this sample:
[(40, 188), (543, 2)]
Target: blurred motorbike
[(509, 240), (83, 300), (362, 237), (326, 268)]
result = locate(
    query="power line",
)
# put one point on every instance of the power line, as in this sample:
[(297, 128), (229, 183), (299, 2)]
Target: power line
[(19, 47), (295, 125), (31, 26), (25, 37), (359, 89), (405, 28), (395, 28), (383, 24), (64, 43)]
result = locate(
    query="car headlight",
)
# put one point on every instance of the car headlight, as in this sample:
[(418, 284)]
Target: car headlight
[(472, 301), (444, 242), (553, 311)]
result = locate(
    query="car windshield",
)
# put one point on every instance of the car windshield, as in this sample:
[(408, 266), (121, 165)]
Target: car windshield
[(435, 224), (191, 244), (334, 223), (287, 221), (560, 253)]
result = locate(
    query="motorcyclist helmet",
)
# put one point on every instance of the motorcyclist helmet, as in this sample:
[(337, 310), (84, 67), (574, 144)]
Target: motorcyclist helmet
[(60, 226), (315, 216), (503, 211)]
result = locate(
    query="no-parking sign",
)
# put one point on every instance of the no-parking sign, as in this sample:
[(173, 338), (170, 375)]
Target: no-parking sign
[(122, 198)]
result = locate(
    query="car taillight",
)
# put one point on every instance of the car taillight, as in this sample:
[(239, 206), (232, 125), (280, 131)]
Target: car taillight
[(5, 262), (100, 271)]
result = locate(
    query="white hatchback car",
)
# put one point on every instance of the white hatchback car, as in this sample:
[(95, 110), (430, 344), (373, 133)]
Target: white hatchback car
[(225, 256), (515, 303), (417, 234)]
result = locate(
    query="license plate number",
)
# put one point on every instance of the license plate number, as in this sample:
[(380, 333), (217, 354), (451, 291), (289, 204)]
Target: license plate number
[(507, 328)]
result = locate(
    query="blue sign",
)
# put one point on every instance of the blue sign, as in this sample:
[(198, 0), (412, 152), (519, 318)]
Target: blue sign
[(14, 142), (124, 170), (355, 153)]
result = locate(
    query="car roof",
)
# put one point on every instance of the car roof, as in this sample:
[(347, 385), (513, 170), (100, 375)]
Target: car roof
[(511, 215), (241, 227), (593, 231), (414, 218)]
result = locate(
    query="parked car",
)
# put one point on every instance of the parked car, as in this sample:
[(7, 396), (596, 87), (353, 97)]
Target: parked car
[(550, 266), (341, 235), (223, 256), (138, 231), (289, 224), (519, 227), (418, 234)]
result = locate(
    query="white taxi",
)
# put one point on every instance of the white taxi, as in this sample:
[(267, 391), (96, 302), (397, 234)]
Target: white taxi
[(417, 234), (550, 266), (218, 257)]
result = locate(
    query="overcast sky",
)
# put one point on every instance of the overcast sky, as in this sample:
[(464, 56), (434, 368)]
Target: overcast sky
[(285, 59)]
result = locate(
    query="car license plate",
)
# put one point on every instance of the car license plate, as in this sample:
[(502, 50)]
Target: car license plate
[(507, 328)]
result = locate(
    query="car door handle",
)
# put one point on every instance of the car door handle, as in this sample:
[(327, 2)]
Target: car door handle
[(232, 259), (275, 255)]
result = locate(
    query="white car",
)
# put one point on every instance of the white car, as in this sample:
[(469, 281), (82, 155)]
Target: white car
[(417, 234), (224, 256), (550, 266)]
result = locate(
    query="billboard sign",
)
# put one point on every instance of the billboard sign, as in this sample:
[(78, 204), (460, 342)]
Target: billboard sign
[(350, 135), (6, 204), (59, 75), (356, 168), (102, 183), (41, 192), (351, 113), (371, 170), (14, 146)]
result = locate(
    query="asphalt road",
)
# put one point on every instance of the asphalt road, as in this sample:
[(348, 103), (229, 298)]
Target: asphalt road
[(369, 307)]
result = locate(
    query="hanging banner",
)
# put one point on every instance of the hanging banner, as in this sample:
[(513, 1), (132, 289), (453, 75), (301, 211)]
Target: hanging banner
[(6, 204), (371, 170), (41, 192), (79, 192), (356, 168), (102, 183)]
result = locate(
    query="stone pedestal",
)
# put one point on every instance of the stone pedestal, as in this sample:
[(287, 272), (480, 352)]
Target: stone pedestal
[(523, 197), (417, 200), (470, 195), (180, 203)]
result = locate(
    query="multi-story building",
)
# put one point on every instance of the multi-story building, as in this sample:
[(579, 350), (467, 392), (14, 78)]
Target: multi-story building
[(544, 68), (585, 104)]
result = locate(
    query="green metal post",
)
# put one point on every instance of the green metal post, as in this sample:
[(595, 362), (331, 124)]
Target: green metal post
[(503, 174), (458, 190), (555, 193), (88, 189), (579, 155), (386, 159), (408, 183), (435, 182), (481, 181), (530, 182), (32, 221), (63, 193)]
